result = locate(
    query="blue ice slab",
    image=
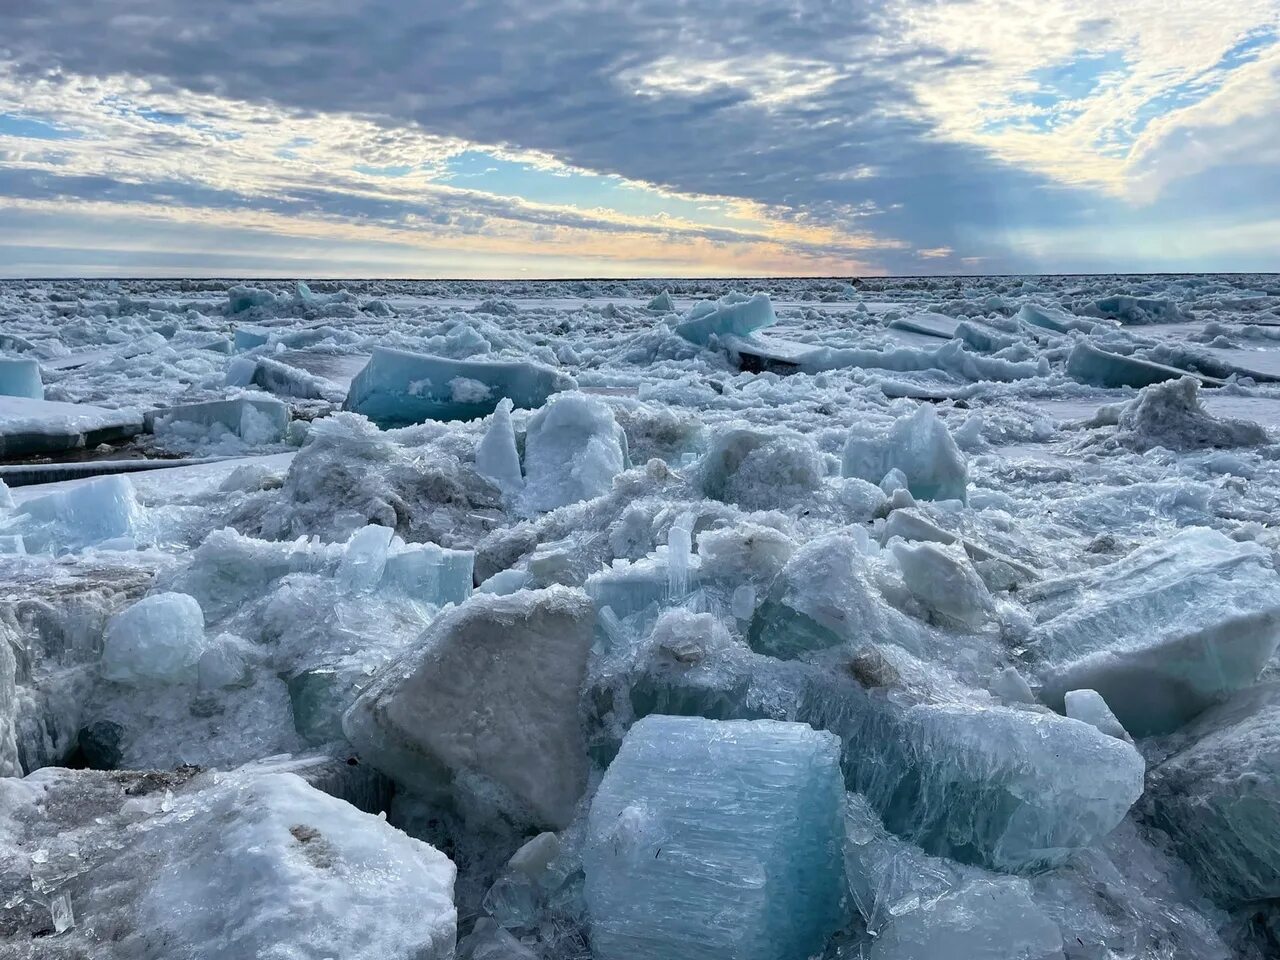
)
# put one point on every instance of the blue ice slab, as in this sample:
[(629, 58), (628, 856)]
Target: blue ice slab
[(716, 840), (20, 377), (398, 388), (734, 314), (261, 420), (1101, 368), (431, 573)]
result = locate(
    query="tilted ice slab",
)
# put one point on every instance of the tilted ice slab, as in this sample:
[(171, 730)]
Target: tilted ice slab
[(29, 426), (1102, 368), (573, 449), (712, 840), (490, 689), (78, 515), (1164, 632), (733, 314), (397, 388)]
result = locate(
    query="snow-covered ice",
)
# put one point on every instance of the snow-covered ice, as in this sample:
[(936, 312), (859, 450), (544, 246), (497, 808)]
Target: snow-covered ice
[(896, 619)]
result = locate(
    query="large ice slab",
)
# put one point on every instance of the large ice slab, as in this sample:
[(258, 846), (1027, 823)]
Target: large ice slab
[(712, 840), (490, 689), (920, 445), (20, 377), (252, 419), (1164, 632), (30, 426), (734, 314), (1218, 797), (397, 388)]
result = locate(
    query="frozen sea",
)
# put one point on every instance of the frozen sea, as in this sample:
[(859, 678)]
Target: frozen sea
[(892, 618)]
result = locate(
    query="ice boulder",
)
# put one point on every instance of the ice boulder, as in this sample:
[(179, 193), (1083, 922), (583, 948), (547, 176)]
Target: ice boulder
[(255, 420), (82, 514), (573, 449), (497, 457), (760, 469), (158, 639), (662, 303), (716, 840), (919, 445), (397, 388), (491, 690), (734, 314), (267, 866), (1166, 631), (1218, 797), (20, 377), (1088, 706), (1006, 788)]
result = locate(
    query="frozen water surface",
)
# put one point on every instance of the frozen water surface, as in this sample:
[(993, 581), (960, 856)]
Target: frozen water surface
[(899, 619)]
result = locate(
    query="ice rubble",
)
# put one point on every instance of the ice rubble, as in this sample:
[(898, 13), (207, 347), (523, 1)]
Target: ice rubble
[(710, 840), (985, 621)]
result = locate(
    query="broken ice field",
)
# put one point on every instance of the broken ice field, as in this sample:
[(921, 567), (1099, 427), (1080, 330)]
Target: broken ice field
[(641, 620)]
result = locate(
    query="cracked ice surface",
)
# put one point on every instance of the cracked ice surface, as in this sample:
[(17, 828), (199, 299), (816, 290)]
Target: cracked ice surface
[(899, 619)]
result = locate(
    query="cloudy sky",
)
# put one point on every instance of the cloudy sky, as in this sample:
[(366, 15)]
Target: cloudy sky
[(542, 138)]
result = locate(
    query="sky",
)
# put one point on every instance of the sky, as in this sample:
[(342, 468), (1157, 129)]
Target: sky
[(601, 138)]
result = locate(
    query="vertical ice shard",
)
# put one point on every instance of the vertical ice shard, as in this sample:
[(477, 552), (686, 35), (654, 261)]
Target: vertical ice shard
[(716, 840), (497, 458)]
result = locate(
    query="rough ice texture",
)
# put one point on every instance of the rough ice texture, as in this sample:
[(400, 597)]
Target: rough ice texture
[(919, 445), (491, 689), (573, 449), (1219, 797), (733, 314), (1166, 631), (397, 388), (758, 468), (158, 639), (711, 839), (252, 863), (943, 580), (1171, 415)]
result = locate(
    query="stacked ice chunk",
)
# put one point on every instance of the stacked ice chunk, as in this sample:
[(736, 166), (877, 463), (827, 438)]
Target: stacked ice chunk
[(734, 314), (712, 840)]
